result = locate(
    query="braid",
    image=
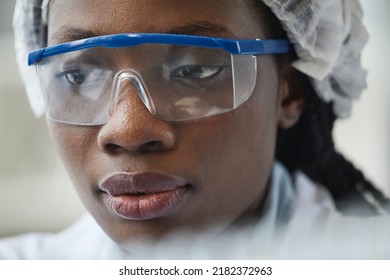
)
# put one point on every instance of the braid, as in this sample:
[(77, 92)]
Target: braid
[(309, 146)]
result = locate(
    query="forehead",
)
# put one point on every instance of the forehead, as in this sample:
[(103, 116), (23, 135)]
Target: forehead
[(219, 18)]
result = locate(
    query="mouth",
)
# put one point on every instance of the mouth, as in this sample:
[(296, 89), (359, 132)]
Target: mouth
[(143, 196)]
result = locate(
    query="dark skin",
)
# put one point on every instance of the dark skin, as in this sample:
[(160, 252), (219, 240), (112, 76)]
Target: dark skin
[(226, 159)]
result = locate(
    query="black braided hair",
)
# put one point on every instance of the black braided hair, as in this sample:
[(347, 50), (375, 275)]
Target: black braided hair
[(309, 146)]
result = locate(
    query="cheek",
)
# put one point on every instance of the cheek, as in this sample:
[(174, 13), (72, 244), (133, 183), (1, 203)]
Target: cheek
[(243, 140), (75, 145)]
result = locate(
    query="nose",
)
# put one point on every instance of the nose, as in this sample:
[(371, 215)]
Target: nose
[(132, 128)]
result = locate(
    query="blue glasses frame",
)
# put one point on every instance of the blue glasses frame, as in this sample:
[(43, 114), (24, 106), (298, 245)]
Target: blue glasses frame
[(236, 47)]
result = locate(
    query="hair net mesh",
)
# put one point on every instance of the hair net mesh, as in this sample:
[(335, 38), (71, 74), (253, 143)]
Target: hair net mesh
[(328, 37)]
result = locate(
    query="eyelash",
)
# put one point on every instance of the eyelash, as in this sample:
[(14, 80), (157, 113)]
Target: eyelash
[(184, 72)]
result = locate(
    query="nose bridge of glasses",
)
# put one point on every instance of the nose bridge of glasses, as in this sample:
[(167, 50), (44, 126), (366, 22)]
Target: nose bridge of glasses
[(133, 79)]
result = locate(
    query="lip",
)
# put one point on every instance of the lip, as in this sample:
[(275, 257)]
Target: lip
[(143, 196)]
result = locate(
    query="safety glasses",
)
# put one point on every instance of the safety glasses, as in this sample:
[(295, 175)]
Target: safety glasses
[(177, 77)]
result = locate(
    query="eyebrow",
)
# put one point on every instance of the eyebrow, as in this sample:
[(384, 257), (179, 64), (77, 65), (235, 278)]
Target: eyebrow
[(69, 33), (200, 27)]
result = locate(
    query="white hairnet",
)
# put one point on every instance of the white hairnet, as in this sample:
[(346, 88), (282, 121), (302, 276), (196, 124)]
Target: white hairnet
[(328, 37), (27, 29)]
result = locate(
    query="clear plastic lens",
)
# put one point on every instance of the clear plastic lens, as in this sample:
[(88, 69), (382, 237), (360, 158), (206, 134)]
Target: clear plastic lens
[(176, 83)]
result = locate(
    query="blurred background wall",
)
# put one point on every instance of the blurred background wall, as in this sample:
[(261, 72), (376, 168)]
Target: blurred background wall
[(36, 194)]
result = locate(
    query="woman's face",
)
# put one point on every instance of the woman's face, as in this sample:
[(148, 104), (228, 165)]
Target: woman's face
[(141, 177)]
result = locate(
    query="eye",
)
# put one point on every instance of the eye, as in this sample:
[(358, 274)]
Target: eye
[(80, 77), (74, 77), (197, 72), (88, 81)]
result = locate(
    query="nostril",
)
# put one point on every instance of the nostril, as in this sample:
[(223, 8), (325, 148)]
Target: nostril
[(152, 146), (112, 149)]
